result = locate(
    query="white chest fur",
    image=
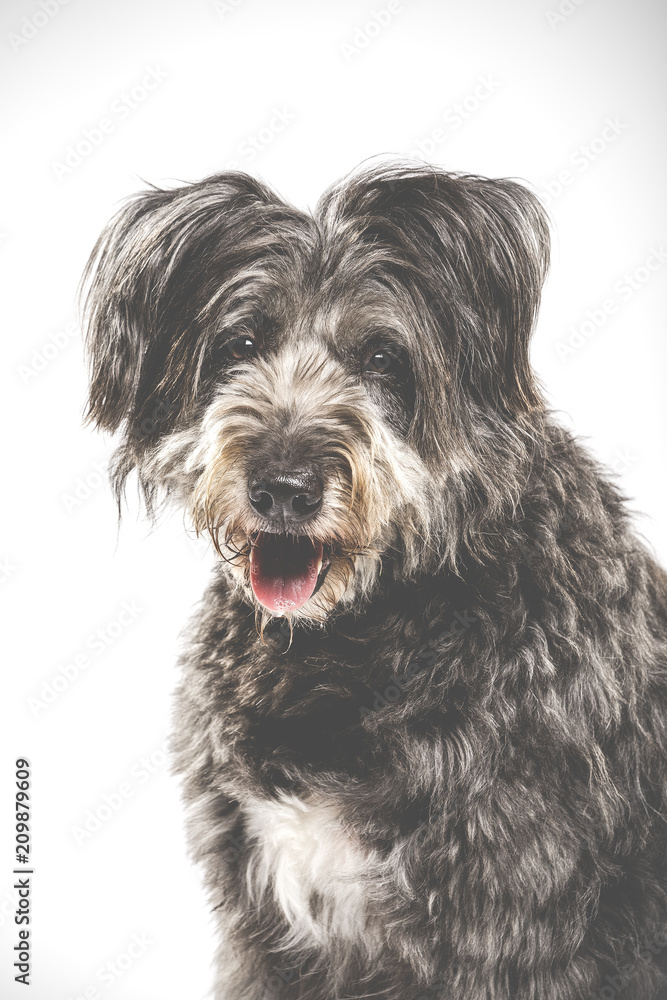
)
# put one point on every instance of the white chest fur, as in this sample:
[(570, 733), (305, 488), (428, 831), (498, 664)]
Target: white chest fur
[(316, 871)]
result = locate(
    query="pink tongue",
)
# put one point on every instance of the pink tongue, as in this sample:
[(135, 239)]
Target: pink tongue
[(284, 570)]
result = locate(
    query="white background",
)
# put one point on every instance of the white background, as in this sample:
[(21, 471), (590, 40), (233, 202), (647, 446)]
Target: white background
[(552, 82)]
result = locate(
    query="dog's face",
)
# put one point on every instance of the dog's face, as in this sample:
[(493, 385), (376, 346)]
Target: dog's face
[(316, 389)]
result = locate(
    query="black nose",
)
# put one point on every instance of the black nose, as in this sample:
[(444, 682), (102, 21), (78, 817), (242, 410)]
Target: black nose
[(286, 497)]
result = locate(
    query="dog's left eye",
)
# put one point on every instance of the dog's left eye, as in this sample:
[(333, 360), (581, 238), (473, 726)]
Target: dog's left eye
[(380, 363), (386, 361), (240, 347)]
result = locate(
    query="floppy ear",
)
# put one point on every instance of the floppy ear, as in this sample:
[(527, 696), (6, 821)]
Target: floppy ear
[(490, 239), (508, 262), (150, 276), (475, 254), (119, 316)]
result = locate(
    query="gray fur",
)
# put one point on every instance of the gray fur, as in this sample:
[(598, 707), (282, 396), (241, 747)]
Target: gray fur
[(444, 776)]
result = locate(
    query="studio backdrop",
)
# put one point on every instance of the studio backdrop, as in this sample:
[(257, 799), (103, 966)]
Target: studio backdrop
[(104, 99)]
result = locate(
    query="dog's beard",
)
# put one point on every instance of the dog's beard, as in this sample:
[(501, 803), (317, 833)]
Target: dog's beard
[(379, 500), (373, 482), (300, 576)]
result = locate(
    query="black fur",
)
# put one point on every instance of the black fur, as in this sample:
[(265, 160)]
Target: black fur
[(481, 693)]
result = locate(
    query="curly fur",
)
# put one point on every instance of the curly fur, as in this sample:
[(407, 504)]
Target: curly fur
[(444, 777)]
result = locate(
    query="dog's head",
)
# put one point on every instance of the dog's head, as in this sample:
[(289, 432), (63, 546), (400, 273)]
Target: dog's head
[(318, 390)]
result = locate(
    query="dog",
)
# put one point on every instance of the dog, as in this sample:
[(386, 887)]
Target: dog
[(422, 723)]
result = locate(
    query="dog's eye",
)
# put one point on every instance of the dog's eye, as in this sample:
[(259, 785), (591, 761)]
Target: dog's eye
[(380, 364), (240, 347), (387, 361)]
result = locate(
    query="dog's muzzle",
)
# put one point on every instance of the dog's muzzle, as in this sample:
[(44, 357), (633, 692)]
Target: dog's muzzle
[(286, 565)]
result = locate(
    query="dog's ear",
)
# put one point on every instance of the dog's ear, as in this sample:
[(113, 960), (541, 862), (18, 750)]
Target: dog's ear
[(152, 273), (506, 232), (119, 307), (475, 254)]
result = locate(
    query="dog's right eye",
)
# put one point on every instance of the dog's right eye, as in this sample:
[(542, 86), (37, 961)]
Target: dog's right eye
[(388, 360), (240, 348)]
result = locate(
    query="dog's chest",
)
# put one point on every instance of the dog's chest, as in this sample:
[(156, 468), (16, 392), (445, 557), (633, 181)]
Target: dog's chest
[(315, 870)]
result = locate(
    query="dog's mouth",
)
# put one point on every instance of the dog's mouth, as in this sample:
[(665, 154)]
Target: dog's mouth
[(286, 570)]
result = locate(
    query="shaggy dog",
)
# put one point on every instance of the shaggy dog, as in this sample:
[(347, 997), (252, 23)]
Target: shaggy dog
[(422, 722)]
